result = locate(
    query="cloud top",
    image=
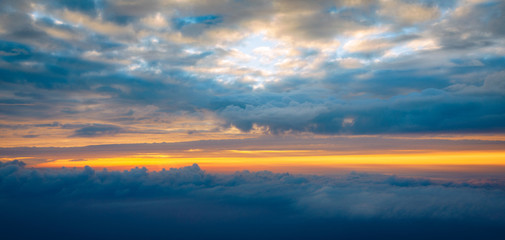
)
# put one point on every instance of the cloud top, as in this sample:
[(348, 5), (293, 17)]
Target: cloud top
[(245, 197)]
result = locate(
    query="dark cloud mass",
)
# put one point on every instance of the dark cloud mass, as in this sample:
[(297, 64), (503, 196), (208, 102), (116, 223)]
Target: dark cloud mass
[(330, 67), (188, 203)]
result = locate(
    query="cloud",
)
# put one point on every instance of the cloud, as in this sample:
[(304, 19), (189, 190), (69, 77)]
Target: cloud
[(30, 136), (126, 69), (430, 110), (367, 46), (387, 67), (97, 130), (408, 13), (188, 197)]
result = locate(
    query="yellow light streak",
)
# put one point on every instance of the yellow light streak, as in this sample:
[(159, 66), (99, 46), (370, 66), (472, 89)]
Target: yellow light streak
[(234, 163)]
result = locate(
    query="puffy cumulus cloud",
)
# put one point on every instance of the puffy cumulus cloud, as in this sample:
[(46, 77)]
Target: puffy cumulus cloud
[(283, 65), (138, 202)]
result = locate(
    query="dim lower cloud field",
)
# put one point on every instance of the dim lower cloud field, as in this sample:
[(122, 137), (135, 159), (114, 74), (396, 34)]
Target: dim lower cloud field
[(190, 203)]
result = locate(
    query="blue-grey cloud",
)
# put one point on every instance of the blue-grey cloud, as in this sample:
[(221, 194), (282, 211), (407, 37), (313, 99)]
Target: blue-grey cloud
[(97, 130), (428, 111), (168, 202), (30, 136), (420, 66)]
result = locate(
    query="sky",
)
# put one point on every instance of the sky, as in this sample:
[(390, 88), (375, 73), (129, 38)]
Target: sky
[(236, 85), (227, 119)]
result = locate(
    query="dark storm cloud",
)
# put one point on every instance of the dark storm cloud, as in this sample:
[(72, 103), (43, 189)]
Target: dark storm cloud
[(168, 203)]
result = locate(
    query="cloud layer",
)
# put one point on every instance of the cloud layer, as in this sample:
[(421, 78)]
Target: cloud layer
[(123, 68), (201, 74), (137, 203)]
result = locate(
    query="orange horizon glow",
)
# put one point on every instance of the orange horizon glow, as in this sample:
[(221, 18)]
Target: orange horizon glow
[(271, 160)]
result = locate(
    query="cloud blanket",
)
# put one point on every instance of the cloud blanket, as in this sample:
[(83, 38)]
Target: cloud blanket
[(188, 203)]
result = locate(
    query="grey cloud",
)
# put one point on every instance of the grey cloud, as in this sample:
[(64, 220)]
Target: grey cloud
[(428, 111), (474, 27), (26, 126), (273, 116), (20, 28), (321, 25), (95, 130), (419, 91), (78, 160), (30, 136), (17, 180), (126, 11)]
